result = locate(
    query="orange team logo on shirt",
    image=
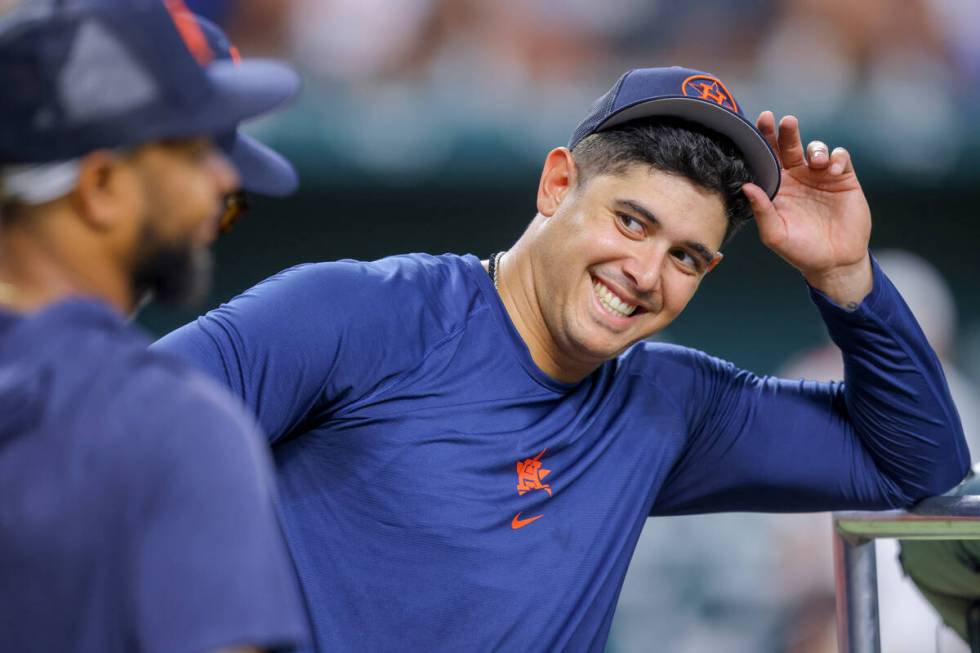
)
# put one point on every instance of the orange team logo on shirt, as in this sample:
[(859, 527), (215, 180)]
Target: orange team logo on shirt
[(530, 474), (705, 87)]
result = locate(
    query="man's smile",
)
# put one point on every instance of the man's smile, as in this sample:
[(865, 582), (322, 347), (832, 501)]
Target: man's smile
[(610, 301), (614, 309)]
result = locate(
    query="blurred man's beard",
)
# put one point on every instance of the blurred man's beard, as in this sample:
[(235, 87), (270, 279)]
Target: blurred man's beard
[(176, 274)]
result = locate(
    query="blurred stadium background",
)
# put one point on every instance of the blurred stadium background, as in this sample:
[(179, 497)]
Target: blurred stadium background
[(423, 126)]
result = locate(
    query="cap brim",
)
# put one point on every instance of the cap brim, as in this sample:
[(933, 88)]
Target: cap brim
[(762, 162), (239, 92), (252, 87), (262, 169)]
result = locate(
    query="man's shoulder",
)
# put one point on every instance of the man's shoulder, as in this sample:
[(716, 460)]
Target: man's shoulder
[(682, 371), (655, 360), (154, 420), (686, 378), (90, 388), (392, 274), (170, 399), (432, 293), (107, 367), (174, 386)]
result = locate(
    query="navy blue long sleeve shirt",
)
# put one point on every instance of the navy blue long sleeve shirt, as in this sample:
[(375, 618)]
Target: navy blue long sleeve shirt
[(441, 493)]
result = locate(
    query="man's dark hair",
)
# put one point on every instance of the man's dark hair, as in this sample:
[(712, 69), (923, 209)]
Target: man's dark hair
[(674, 146)]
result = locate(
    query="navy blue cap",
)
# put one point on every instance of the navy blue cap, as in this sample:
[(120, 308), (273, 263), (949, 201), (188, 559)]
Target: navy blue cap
[(691, 95), (262, 169), (83, 75)]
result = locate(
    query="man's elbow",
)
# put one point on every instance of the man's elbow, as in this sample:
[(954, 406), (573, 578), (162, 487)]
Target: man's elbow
[(943, 480)]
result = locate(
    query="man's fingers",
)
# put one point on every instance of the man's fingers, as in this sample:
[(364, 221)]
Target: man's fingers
[(772, 231), (840, 161), (818, 155), (790, 146), (767, 126)]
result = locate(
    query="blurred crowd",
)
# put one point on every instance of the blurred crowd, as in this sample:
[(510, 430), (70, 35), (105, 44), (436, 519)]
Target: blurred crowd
[(899, 81)]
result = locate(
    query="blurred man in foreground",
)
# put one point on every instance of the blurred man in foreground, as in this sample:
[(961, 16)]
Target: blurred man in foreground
[(137, 510), (468, 450)]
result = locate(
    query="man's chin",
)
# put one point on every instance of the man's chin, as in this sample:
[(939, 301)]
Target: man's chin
[(600, 350), (175, 276), (191, 288), (604, 349)]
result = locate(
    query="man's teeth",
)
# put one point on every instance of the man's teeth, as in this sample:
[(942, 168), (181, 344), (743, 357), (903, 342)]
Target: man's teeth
[(609, 300)]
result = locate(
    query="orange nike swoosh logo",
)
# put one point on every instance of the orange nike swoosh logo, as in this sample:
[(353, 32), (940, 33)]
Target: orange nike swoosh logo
[(517, 522)]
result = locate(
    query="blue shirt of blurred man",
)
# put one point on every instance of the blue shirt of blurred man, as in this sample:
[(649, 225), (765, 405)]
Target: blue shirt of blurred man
[(137, 510)]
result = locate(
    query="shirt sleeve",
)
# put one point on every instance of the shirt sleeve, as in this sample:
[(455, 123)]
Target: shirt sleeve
[(209, 565), (886, 437), (298, 346)]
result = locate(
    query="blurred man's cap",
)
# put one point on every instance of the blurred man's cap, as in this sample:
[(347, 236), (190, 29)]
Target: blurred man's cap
[(688, 94), (262, 169), (81, 75)]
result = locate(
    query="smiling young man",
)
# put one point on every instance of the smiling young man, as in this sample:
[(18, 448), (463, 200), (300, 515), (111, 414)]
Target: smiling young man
[(137, 510), (625, 246), (468, 451)]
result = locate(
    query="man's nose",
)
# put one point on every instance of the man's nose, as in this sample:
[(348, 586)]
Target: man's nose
[(645, 269), (223, 172)]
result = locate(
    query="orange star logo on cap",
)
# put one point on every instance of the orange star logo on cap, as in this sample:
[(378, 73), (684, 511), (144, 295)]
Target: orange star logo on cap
[(705, 87)]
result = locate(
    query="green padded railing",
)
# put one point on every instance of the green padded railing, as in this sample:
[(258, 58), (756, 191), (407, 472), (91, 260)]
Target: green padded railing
[(855, 570)]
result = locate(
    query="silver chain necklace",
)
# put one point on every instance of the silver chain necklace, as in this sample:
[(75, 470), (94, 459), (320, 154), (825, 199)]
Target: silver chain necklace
[(493, 265)]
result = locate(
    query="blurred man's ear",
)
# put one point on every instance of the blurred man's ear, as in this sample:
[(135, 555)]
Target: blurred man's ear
[(558, 177), (105, 191)]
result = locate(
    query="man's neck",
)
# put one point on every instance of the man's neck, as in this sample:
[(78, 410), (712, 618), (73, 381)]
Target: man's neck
[(515, 283), (35, 274)]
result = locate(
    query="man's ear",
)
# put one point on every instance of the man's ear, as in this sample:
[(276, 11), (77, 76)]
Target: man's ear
[(714, 262), (104, 190), (558, 177)]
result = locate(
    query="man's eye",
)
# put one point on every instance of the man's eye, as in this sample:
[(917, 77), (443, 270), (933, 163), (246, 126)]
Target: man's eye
[(191, 148), (202, 151), (630, 223), (686, 259)]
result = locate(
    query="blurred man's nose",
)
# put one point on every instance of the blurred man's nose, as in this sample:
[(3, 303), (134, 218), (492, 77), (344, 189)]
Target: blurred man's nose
[(223, 172)]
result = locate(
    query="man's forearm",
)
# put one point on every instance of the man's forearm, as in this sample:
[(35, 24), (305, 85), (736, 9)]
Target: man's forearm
[(897, 398)]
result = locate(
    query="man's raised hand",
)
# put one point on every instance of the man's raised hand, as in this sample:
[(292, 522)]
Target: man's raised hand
[(819, 222)]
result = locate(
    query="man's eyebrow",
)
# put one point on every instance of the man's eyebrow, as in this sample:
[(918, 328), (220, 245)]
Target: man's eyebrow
[(639, 209), (703, 251)]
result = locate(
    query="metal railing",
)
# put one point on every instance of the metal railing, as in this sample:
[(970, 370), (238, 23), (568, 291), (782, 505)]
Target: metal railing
[(855, 571)]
